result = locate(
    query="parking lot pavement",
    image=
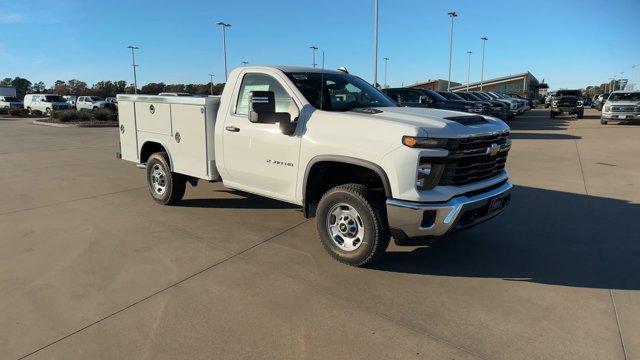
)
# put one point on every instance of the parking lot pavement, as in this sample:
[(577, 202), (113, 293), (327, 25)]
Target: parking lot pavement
[(90, 267)]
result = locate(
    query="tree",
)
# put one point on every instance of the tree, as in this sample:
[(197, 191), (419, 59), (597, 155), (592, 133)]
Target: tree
[(153, 88), (5, 82), (39, 87), (60, 87), (104, 89), (22, 85), (120, 85), (77, 87)]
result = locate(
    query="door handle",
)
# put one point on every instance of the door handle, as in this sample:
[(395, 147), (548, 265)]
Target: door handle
[(232, 129)]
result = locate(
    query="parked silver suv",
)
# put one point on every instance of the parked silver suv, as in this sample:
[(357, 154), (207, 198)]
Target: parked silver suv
[(93, 103), (621, 106)]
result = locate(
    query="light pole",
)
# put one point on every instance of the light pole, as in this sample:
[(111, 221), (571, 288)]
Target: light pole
[(224, 26), (211, 76), (133, 64), (484, 42), (313, 54), (386, 61), (469, 69), (452, 15), (375, 43)]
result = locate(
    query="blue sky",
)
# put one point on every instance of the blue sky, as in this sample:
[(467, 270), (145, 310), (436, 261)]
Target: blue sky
[(568, 43)]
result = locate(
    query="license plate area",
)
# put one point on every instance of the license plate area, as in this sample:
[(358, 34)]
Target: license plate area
[(496, 204)]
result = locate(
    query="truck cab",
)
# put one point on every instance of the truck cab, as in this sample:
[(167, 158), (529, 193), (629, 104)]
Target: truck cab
[(334, 145)]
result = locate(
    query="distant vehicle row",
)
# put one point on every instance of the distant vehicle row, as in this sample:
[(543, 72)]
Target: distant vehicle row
[(479, 102)]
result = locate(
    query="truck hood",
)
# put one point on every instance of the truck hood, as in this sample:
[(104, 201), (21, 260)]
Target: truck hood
[(438, 123), (623, 103)]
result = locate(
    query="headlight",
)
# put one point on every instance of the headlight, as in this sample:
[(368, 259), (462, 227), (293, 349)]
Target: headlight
[(424, 143), (428, 174), (580, 103), (555, 103), (607, 108), (513, 106)]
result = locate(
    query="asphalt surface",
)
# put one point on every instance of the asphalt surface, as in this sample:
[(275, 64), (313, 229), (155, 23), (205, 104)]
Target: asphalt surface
[(92, 268)]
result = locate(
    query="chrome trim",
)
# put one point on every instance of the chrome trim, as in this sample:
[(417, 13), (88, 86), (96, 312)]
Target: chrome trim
[(407, 215)]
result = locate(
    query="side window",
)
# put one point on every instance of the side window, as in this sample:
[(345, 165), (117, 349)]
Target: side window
[(412, 96), (81, 99), (262, 82)]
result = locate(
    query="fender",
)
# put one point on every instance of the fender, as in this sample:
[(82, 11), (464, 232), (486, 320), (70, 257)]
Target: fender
[(166, 149), (346, 160)]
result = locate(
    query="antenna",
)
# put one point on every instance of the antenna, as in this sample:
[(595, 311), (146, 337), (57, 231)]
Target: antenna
[(322, 84)]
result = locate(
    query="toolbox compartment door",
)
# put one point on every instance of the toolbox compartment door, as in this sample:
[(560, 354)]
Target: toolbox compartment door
[(127, 129), (189, 143)]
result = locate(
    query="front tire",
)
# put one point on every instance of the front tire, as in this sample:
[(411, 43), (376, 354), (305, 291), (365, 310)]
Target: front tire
[(580, 115), (165, 187), (352, 225)]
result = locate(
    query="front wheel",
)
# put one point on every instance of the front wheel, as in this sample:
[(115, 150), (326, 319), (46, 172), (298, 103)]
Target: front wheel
[(351, 224), (580, 115), (165, 187)]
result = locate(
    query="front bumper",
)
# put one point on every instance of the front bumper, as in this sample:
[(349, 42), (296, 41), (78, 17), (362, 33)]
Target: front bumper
[(408, 219), (567, 110), (621, 116)]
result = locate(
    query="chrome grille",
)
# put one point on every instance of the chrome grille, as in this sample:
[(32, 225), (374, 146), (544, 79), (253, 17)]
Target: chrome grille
[(476, 159), (623, 108)]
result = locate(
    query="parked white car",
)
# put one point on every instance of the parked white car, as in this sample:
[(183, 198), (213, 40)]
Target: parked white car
[(10, 102), (93, 103), (45, 103), (621, 106), (331, 143)]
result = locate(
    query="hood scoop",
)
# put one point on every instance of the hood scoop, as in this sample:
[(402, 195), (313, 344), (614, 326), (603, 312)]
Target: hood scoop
[(367, 110), (468, 120)]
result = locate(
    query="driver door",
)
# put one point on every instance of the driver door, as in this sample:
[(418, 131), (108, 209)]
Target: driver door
[(258, 157)]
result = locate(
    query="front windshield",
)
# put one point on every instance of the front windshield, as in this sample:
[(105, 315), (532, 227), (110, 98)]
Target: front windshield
[(434, 95), (338, 92), (482, 96), (625, 96), (55, 98), (454, 96), (95, 98), (11, 99), (471, 96)]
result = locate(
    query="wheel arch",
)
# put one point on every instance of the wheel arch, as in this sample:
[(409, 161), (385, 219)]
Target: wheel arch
[(309, 199), (150, 147)]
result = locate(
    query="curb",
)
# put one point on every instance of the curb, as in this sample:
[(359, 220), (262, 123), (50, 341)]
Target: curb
[(58, 125)]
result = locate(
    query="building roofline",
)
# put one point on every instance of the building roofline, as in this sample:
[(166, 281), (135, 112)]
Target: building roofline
[(495, 80)]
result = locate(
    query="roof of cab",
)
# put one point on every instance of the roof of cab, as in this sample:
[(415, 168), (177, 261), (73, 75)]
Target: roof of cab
[(295, 69)]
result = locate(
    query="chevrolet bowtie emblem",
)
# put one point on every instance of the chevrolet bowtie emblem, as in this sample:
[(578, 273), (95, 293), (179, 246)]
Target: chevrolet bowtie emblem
[(493, 150)]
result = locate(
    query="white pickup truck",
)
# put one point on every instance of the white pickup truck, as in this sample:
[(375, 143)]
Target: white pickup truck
[(331, 143)]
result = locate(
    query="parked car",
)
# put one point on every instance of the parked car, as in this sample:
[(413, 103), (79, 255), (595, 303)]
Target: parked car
[(567, 102), (548, 100), (521, 105), (478, 108), (587, 101), (512, 105), (506, 107), (599, 103), (427, 98), (112, 100), (330, 143), (494, 108), (10, 102), (71, 100), (45, 103), (517, 96), (621, 106), (92, 103)]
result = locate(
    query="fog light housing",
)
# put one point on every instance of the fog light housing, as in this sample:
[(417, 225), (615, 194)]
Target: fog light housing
[(428, 175)]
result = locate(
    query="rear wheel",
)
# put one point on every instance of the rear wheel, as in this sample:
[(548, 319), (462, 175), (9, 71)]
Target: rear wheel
[(165, 187), (29, 111), (603, 122), (352, 225)]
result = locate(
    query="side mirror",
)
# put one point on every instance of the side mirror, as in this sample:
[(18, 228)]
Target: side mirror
[(262, 109)]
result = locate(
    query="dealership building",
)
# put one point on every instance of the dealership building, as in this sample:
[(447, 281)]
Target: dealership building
[(435, 85), (524, 84)]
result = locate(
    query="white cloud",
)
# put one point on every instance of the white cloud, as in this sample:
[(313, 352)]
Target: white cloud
[(11, 18)]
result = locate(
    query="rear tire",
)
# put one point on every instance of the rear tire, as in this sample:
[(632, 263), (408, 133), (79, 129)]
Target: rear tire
[(580, 115), (603, 122), (165, 187), (29, 111), (351, 222)]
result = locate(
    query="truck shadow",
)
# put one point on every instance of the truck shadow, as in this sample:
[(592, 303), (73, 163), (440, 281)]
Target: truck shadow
[(546, 237), (240, 200), (539, 119)]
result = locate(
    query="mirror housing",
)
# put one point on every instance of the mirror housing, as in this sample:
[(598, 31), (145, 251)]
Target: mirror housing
[(262, 109)]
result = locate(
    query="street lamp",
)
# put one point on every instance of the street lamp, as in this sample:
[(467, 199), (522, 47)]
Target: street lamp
[(133, 64), (375, 43), (211, 76), (469, 69), (313, 54), (386, 61), (224, 26), (452, 15), (484, 42)]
